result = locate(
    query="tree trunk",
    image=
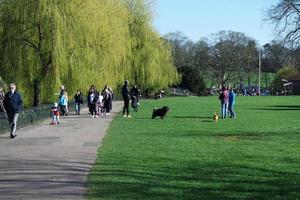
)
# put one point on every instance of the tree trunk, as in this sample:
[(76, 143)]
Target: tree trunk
[(249, 79), (36, 92)]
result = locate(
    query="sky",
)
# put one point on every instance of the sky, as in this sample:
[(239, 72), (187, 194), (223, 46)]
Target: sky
[(201, 18)]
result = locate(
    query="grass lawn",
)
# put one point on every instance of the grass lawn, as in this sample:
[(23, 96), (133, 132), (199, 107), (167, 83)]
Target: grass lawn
[(189, 156)]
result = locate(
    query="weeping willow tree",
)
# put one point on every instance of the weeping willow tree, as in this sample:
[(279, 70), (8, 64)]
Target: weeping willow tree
[(150, 55), (78, 43)]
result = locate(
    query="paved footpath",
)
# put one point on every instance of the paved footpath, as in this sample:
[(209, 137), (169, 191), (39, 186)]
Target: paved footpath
[(51, 162)]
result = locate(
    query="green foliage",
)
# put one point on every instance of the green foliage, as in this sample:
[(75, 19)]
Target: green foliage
[(283, 73), (189, 156), (78, 43), (192, 80)]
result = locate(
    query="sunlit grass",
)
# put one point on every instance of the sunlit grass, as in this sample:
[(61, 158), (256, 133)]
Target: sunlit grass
[(189, 156)]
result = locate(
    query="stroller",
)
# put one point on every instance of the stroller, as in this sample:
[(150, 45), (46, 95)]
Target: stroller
[(135, 103)]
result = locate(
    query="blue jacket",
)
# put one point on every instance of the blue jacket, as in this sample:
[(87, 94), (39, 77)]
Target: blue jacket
[(63, 100), (12, 102), (231, 98)]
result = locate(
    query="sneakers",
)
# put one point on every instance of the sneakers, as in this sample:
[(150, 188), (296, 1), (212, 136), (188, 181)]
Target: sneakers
[(129, 116), (124, 116)]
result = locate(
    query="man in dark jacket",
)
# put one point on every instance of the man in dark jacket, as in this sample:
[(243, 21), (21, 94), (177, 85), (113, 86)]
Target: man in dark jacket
[(12, 104), (126, 97)]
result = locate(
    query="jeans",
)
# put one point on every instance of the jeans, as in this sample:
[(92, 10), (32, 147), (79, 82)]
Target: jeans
[(224, 109), (77, 108), (12, 119), (231, 111), (55, 119)]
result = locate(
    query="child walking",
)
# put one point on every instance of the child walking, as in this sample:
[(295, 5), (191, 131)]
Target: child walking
[(55, 114)]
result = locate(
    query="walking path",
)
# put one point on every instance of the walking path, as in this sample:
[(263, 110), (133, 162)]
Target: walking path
[(51, 162)]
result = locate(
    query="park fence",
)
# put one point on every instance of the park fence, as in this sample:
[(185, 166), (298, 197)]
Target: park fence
[(29, 116)]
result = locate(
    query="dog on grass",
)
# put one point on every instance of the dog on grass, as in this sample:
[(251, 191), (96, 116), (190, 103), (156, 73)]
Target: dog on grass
[(160, 112), (216, 117)]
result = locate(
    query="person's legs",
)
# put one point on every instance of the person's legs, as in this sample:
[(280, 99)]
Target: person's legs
[(62, 110), (223, 110), (78, 112), (226, 109), (76, 108), (232, 113), (94, 110), (14, 124), (91, 110), (124, 107), (127, 106), (10, 117)]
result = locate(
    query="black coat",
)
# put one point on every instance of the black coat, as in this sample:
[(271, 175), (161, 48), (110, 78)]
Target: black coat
[(12, 102), (125, 92)]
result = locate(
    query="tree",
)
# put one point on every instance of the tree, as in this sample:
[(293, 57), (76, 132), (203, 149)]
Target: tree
[(283, 73), (181, 48), (78, 43), (192, 80), (286, 15), (226, 55), (275, 57)]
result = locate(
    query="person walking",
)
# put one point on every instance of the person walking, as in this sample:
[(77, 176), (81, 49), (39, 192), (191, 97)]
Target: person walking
[(92, 99), (2, 95), (55, 114), (232, 97), (78, 100), (63, 103), (107, 98), (13, 104), (126, 97)]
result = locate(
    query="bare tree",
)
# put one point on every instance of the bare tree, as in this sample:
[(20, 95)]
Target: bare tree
[(286, 16)]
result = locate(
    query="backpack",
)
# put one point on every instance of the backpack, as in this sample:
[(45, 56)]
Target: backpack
[(222, 96)]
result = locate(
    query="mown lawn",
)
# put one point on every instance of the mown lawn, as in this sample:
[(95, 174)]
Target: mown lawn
[(189, 156)]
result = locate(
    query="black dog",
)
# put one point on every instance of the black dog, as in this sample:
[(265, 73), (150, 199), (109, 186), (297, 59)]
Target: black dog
[(161, 112)]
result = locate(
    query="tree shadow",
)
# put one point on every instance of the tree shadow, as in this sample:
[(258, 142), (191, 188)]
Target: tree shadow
[(191, 180), (281, 107), (190, 117)]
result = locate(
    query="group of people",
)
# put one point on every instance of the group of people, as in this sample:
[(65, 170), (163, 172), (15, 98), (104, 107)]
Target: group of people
[(100, 103), (227, 99)]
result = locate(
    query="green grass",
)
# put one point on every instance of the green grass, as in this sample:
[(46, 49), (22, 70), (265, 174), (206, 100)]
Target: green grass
[(188, 156)]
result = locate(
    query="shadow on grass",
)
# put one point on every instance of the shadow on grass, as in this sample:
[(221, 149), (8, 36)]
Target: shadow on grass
[(191, 117), (192, 180), (281, 108)]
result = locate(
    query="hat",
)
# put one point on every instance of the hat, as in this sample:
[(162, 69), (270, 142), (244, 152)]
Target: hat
[(55, 104)]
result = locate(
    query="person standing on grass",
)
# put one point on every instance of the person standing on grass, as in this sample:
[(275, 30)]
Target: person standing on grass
[(78, 100), (126, 97), (224, 101), (231, 103), (12, 103)]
